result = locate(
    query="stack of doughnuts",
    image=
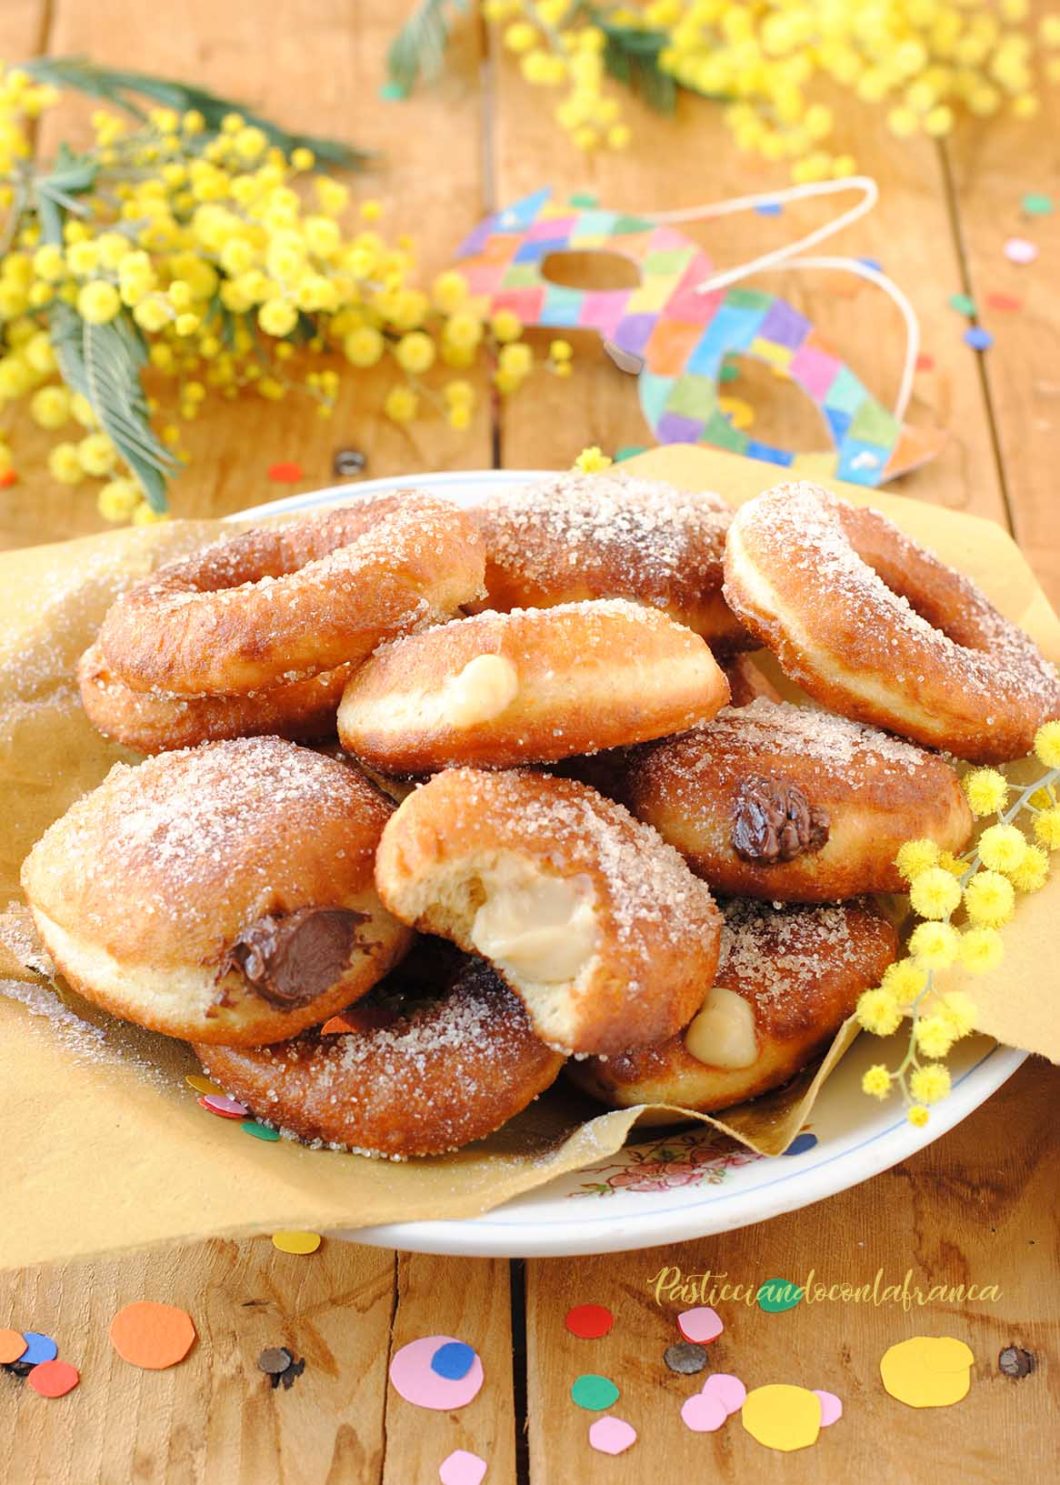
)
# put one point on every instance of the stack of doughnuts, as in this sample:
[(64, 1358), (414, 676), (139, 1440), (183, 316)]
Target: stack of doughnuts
[(556, 815)]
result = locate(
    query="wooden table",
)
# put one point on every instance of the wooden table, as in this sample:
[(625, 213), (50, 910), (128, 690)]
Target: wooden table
[(978, 1206)]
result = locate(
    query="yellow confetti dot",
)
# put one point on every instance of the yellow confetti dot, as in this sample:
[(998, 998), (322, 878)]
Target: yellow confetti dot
[(782, 1417), (201, 1084), (739, 413), (927, 1371), (296, 1242)]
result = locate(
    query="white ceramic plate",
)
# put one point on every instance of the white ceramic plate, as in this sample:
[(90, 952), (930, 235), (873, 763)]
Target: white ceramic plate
[(687, 1183)]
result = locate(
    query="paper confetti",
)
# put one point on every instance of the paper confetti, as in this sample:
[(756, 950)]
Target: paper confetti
[(1003, 301), (685, 1358), (801, 1143), (274, 1360), (286, 472), (38, 1348), (1019, 250), (590, 1322), (202, 1084), (347, 462), (462, 1468), (259, 1131), (782, 1417), (927, 1371), (978, 338), (1013, 1361), (151, 1335), (415, 1379), (453, 1361), (701, 1324), (925, 362), (222, 1105), (831, 1407), (729, 1390), (1037, 204), (54, 1378), (593, 1393), (769, 208), (703, 1412), (296, 1242), (12, 1346), (739, 413), (612, 1435), (963, 304)]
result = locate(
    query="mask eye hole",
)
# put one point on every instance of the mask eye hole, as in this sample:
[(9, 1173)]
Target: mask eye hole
[(596, 270)]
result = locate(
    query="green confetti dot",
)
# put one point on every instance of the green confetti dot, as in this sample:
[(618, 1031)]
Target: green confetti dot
[(1037, 204), (963, 304), (259, 1131), (629, 451), (583, 198), (593, 1393), (392, 92), (729, 372), (777, 1295)]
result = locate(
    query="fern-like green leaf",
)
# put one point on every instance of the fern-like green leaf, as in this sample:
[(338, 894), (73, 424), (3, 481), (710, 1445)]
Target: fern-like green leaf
[(418, 49)]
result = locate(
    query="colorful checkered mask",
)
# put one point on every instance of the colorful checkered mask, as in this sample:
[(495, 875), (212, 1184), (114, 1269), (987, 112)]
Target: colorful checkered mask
[(674, 332)]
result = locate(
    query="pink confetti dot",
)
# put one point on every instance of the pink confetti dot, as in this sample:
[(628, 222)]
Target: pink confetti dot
[(1019, 250), (462, 1468), (220, 1103), (831, 1407), (612, 1435), (703, 1412), (413, 1377), (701, 1324), (728, 1390)]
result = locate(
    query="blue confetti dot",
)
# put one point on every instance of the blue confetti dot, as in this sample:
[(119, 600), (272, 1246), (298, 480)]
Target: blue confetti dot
[(873, 263), (978, 338), (769, 208), (800, 1144), (453, 1361), (38, 1348)]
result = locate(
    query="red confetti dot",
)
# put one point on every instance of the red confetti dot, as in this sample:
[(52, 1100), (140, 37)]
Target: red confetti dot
[(8, 477), (589, 1322), (925, 362), (1004, 301), (286, 472), (54, 1378)]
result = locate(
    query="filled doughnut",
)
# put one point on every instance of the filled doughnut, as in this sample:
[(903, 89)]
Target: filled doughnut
[(156, 722), (588, 915), (787, 979), (534, 685), (576, 536), (874, 626), (219, 894), (422, 1073), (281, 603), (794, 804)]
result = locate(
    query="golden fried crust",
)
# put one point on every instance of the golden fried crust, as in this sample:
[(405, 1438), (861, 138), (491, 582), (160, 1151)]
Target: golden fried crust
[(280, 603), (577, 536), (747, 681), (153, 722), (146, 887), (875, 627), (800, 969), (857, 794), (639, 941), (564, 681), (423, 1078)]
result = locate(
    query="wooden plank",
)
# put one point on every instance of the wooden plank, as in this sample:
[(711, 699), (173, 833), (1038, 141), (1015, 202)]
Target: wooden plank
[(692, 160), (317, 65), (977, 1207), (215, 1417)]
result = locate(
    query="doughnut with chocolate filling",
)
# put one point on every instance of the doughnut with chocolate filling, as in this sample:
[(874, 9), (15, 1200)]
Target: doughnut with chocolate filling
[(575, 536), (787, 979), (591, 918), (219, 894), (532, 686), (875, 627), (280, 603), (418, 1073), (793, 804)]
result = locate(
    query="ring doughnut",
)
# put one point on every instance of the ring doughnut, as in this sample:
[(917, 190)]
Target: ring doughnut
[(218, 894), (576, 536), (793, 804), (589, 916), (153, 722), (534, 685), (874, 626), (425, 1075), (787, 979), (283, 602)]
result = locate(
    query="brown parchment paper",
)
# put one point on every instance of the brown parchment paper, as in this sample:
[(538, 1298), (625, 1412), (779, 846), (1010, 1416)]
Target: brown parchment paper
[(104, 1147)]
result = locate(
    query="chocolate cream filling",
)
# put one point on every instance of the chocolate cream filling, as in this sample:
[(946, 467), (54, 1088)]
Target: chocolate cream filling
[(773, 821), (292, 959)]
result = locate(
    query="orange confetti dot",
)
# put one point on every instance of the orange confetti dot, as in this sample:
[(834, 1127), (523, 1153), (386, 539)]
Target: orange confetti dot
[(54, 1378), (359, 1018), (152, 1335), (296, 1242), (8, 477), (12, 1345)]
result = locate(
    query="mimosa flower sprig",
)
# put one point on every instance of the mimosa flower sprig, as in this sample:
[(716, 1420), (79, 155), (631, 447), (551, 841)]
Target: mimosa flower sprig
[(979, 888), (201, 243), (769, 62)]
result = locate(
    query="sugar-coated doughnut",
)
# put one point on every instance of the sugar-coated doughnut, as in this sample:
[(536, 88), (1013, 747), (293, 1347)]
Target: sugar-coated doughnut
[(423, 1073), (534, 685), (588, 914), (874, 626), (280, 603), (219, 894), (747, 681), (154, 722), (576, 536), (787, 979), (794, 804)]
